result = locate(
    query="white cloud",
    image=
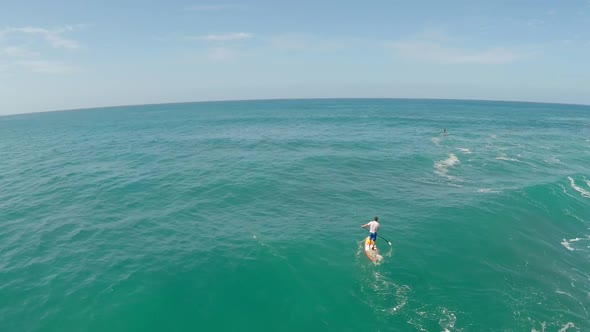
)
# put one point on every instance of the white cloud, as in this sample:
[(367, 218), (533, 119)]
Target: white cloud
[(53, 37), (16, 52), (212, 7), (437, 53), (44, 66), (16, 58), (226, 37)]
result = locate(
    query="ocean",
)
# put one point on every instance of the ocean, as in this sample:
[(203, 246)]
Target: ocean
[(246, 215)]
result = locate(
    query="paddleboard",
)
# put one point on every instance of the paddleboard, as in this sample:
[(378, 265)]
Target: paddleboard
[(373, 255)]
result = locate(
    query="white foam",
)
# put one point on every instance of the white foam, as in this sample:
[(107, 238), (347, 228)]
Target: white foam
[(582, 191), (543, 325), (566, 193), (464, 150), (448, 321), (503, 156), (487, 191), (564, 293), (401, 295), (566, 327), (435, 140), (552, 160), (446, 318), (567, 245), (441, 166)]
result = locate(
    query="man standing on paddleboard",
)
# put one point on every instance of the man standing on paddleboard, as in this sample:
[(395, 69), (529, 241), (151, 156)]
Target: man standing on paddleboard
[(373, 229)]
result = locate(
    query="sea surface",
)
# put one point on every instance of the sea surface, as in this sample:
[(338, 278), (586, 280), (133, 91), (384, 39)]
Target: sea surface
[(245, 216)]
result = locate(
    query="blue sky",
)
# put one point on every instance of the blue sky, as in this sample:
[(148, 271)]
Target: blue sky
[(73, 54)]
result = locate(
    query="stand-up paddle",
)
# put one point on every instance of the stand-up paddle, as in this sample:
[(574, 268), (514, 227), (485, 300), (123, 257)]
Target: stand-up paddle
[(384, 239), (370, 248)]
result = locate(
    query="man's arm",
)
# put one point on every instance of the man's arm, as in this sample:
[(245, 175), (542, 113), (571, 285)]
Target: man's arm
[(365, 225)]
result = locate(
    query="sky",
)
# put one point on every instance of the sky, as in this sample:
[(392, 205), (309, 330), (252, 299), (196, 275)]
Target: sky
[(59, 54)]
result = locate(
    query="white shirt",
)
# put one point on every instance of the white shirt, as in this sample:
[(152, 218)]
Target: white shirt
[(373, 226)]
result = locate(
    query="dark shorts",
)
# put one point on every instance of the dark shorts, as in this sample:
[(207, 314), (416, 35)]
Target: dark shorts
[(373, 236)]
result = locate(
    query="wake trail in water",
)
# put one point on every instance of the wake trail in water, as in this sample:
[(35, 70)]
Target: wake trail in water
[(270, 249), (389, 298), (383, 294), (378, 289)]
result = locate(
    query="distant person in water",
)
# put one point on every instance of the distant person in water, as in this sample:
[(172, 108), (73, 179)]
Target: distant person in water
[(373, 229), (444, 133)]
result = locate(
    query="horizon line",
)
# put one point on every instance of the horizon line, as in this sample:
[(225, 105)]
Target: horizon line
[(292, 99)]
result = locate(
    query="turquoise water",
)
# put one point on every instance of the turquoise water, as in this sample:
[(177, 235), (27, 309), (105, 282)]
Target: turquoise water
[(244, 216)]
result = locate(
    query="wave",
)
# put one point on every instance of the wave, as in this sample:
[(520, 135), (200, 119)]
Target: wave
[(569, 213), (562, 329), (566, 327), (567, 245), (557, 291), (435, 140), (503, 156), (464, 150), (552, 160), (582, 191), (488, 191), (566, 192), (442, 166)]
